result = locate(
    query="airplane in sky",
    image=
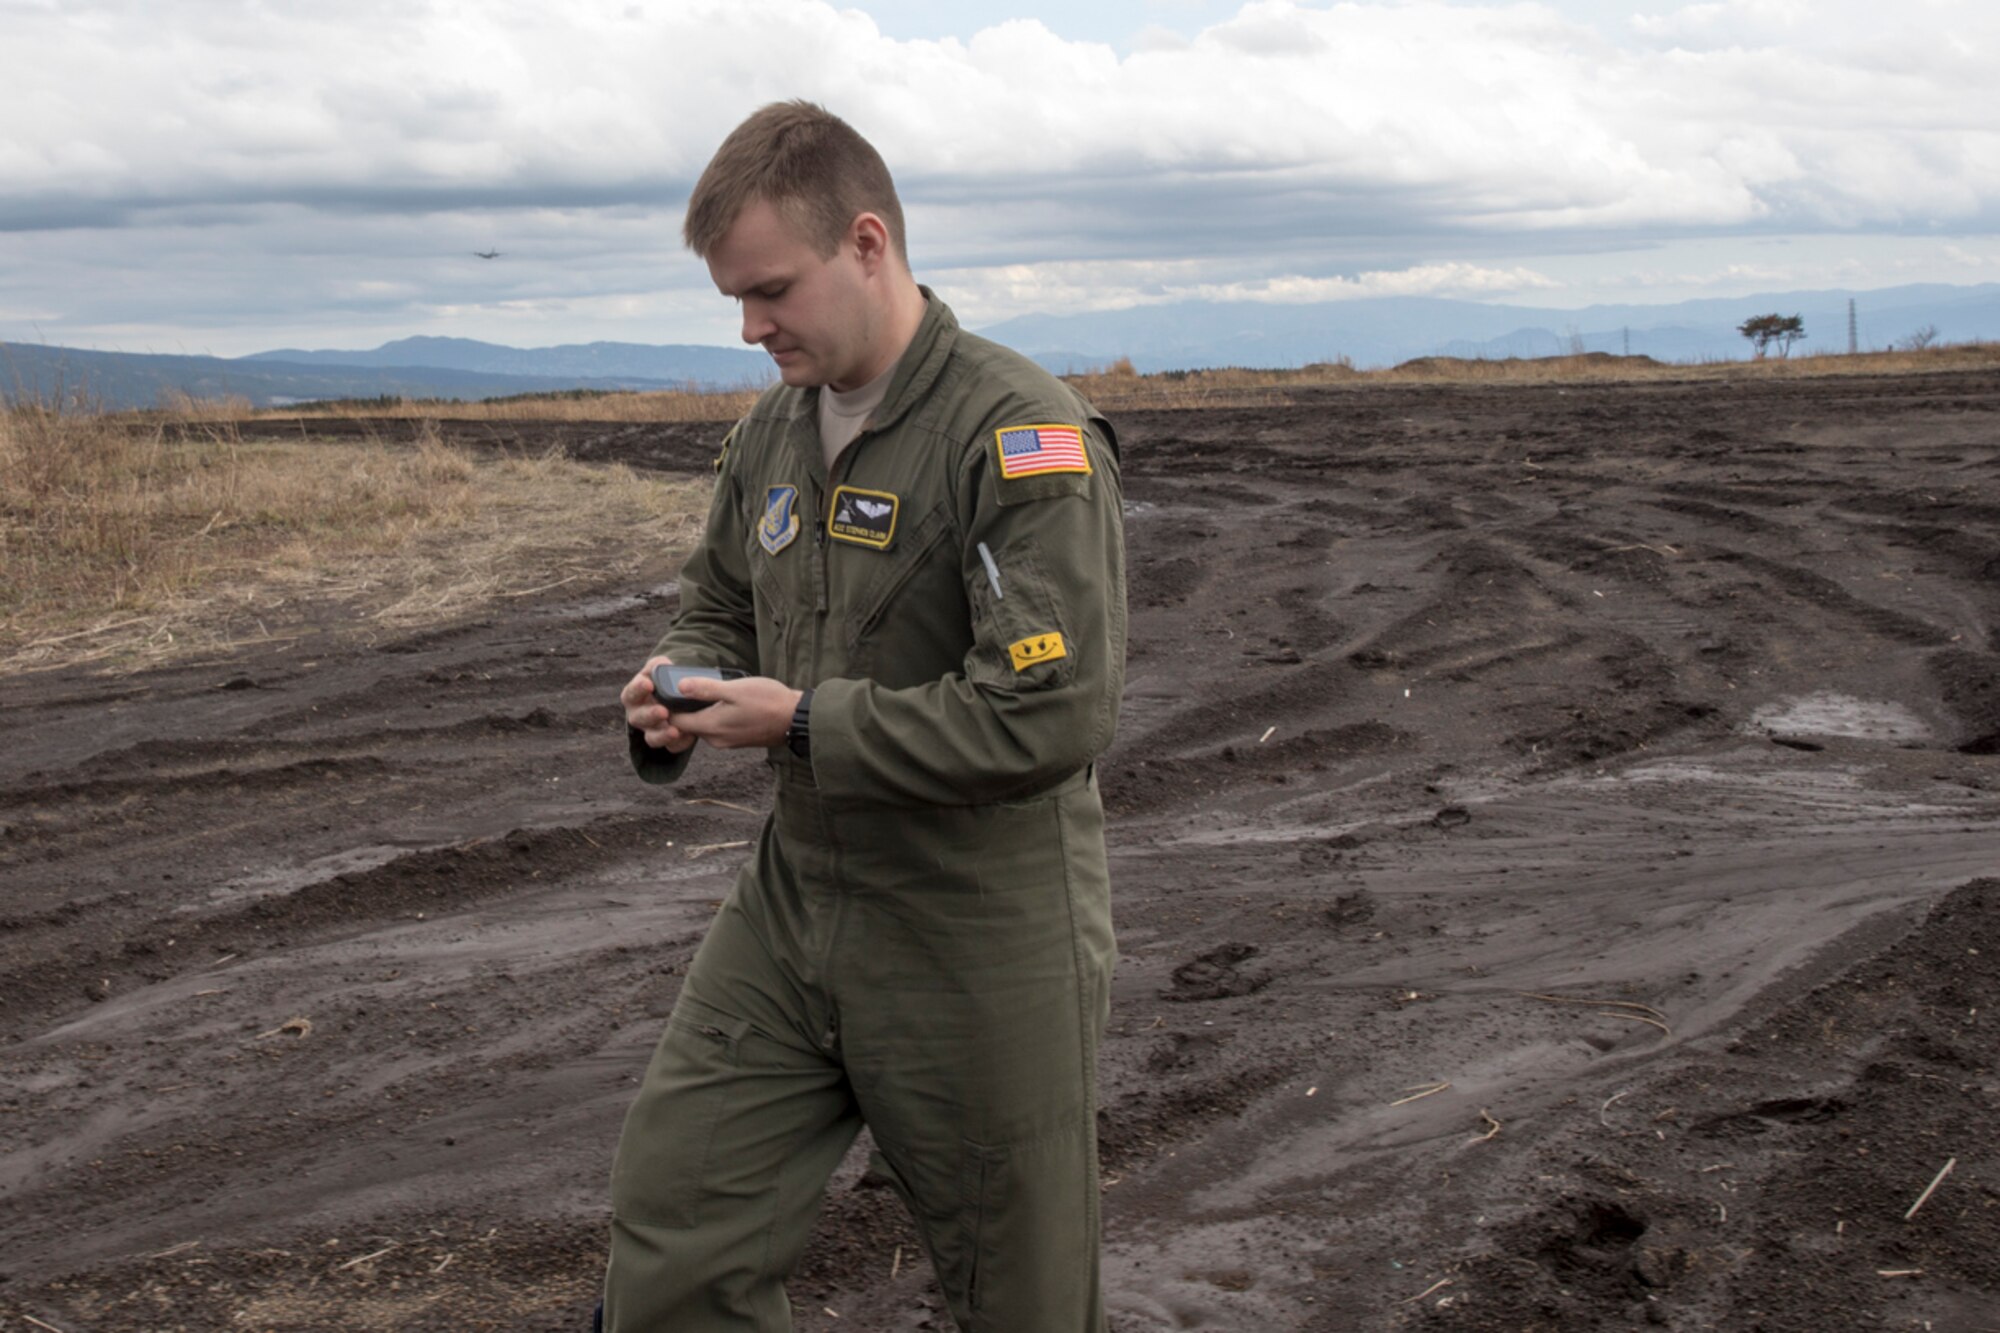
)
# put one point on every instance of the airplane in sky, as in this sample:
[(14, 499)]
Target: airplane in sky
[(487, 254)]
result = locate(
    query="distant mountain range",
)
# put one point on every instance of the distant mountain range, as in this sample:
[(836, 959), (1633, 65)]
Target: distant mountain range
[(1390, 330), (675, 364), (449, 368), (1183, 336)]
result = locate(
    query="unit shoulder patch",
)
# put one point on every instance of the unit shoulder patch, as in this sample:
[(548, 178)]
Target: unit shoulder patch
[(780, 524), (722, 453), (865, 518)]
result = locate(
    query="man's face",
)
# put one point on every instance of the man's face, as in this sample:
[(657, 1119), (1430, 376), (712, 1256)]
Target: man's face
[(811, 313)]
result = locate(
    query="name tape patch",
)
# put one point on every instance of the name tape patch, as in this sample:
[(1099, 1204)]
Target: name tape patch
[(1031, 451), (866, 518), (1036, 649)]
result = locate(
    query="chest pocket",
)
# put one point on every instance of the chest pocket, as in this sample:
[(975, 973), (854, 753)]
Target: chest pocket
[(775, 604), (911, 596)]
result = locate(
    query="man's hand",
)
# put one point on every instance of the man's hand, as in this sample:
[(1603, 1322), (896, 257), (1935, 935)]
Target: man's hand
[(645, 713), (754, 711)]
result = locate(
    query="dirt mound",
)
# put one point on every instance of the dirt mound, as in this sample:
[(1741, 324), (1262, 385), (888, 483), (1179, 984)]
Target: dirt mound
[(1459, 369)]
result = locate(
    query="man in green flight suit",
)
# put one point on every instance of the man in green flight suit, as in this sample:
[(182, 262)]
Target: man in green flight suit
[(915, 552)]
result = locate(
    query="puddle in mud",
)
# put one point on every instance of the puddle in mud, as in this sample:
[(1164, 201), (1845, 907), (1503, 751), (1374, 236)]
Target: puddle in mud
[(279, 880), (290, 879), (597, 608), (1828, 714), (1749, 777)]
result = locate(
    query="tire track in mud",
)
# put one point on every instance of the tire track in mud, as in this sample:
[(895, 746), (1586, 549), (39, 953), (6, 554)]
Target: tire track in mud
[(1435, 698), (339, 818), (1674, 664), (280, 910), (1641, 1220), (274, 810), (84, 798), (1823, 594), (1379, 1133)]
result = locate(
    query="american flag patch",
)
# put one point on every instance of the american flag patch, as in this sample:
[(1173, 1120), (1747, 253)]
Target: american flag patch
[(1028, 451)]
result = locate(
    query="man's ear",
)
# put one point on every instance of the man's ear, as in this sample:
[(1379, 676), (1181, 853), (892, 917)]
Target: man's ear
[(869, 236)]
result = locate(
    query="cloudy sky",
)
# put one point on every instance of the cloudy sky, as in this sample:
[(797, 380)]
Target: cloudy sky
[(226, 176)]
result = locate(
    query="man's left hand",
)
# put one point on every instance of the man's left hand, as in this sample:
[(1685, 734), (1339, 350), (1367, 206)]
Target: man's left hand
[(754, 711)]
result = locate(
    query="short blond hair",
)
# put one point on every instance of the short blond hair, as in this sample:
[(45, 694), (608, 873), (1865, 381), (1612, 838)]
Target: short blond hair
[(807, 163)]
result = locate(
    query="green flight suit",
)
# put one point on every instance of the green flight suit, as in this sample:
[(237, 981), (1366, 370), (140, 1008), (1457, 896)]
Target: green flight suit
[(922, 938)]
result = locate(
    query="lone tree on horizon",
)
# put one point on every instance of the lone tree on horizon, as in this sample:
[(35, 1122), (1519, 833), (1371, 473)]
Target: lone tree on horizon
[(1763, 330)]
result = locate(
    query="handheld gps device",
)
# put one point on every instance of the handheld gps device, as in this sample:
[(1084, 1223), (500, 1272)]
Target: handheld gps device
[(667, 680)]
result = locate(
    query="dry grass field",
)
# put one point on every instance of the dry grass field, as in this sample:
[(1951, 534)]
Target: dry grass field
[(1120, 387), (668, 405), (135, 537), (128, 540)]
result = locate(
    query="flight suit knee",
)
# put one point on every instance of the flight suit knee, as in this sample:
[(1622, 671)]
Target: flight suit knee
[(663, 1154), (1013, 1230), (721, 1167)]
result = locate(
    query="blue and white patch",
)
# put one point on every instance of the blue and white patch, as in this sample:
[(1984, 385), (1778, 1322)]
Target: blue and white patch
[(780, 524)]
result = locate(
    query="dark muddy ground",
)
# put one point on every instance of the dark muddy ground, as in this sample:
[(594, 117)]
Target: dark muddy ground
[(1555, 844)]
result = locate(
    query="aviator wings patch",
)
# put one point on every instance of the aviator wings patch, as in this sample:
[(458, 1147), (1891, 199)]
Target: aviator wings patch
[(865, 518)]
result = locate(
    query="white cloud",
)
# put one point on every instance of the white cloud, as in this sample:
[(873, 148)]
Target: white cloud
[(1722, 266), (989, 294), (1478, 116), (1289, 137), (1456, 280)]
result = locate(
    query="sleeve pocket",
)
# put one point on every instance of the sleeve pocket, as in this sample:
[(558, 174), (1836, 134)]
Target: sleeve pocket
[(1023, 636)]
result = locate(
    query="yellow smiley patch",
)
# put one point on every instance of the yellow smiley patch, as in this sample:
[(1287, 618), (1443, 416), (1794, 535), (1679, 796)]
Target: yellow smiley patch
[(1035, 650)]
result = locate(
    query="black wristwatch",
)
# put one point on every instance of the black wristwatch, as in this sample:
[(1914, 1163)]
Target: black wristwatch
[(798, 736)]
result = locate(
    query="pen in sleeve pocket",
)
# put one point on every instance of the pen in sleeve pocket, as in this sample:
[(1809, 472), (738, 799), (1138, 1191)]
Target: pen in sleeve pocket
[(992, 572)]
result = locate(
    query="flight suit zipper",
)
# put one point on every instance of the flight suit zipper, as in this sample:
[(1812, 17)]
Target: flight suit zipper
[(830, 968), (824, 572), (820, 553)]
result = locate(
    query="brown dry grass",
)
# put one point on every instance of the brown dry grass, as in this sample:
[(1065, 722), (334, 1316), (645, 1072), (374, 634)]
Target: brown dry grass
[(1121, 388), (664, 405), (124, 540), (1604, 367), (125, 543), (693, 404)]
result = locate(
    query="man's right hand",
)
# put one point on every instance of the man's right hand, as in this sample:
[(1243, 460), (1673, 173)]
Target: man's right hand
[(646, 714)]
